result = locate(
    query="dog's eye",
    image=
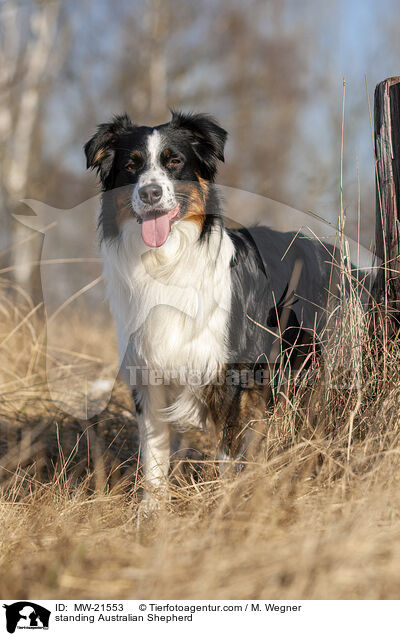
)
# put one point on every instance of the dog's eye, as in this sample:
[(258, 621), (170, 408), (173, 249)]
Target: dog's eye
[(175, 161), (130, 168)]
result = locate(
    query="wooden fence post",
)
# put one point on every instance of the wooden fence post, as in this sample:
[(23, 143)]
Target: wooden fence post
[(386, 289)]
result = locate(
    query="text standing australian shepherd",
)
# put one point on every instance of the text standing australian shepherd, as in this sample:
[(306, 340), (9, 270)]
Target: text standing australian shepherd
[(201, 306)]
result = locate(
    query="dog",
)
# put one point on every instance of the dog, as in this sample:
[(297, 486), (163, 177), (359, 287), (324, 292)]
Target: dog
[(204, 313)]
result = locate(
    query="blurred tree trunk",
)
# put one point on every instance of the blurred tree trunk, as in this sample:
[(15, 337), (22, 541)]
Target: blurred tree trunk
[(26, 60), (9, 44)]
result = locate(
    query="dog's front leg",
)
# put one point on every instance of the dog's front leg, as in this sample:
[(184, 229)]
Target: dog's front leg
[(155, 446)]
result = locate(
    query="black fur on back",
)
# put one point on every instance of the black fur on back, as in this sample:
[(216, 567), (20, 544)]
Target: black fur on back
[(261, 272)]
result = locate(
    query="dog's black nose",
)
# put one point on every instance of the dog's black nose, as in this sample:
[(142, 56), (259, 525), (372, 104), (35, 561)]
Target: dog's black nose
[(151, 193)]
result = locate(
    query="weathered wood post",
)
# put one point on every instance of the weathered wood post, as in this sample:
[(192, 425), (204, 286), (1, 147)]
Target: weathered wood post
[(386, 290)]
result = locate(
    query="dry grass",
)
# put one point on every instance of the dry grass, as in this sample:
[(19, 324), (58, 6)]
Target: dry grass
[(315, 514)]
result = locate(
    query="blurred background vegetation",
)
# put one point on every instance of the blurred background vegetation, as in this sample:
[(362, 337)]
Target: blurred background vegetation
[(271, 71)]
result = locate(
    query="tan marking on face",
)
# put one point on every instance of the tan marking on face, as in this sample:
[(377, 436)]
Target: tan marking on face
[(196, 210)]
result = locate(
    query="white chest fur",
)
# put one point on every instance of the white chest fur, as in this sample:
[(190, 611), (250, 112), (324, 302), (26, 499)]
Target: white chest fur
[(171, 304)]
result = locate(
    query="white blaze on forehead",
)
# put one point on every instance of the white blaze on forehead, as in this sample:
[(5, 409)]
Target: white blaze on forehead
[(154, 149), (154, 173)]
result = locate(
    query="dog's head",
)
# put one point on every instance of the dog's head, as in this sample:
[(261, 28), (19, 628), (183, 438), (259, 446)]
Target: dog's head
[(161, 174)]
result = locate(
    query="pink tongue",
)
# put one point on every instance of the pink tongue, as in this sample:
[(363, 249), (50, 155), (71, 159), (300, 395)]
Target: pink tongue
[(155, 229)]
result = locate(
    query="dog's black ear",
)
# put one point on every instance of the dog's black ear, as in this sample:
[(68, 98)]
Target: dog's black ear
[(100, 149), (208, 138)]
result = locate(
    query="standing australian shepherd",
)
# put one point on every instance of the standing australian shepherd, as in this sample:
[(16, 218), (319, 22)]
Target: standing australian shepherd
[(204, 313)]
